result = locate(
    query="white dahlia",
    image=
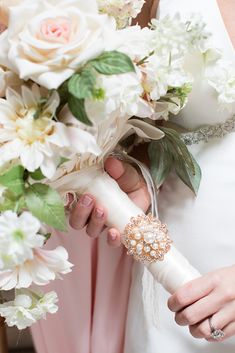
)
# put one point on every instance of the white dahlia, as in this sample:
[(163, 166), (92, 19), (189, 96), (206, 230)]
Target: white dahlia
[(28, 131)]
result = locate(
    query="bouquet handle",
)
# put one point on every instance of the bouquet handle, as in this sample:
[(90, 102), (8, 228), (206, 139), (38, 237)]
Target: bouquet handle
[(145, 237), (167, 265)]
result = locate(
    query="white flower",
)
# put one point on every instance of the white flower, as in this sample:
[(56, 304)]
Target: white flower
[(18, 314), (107, 134), (170, 36), (159, 54), (134, 41), (46, 304), (45, 266), (8, 79), (27, 308), (47, 41), (122, 98), (197, 33), (121, 10), (38, 142), (173, 35), (221, 77), (19, 235), (160, 74)]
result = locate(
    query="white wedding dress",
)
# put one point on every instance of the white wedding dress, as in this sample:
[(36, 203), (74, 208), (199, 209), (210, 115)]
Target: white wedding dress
[(202, 228)]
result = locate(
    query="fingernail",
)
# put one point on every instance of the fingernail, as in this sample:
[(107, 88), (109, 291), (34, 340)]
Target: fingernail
[(69, 199), (86, 200), (113, 236), (99, 213)]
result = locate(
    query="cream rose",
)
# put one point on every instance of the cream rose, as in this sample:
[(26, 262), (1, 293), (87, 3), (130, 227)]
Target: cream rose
[(47, 41)]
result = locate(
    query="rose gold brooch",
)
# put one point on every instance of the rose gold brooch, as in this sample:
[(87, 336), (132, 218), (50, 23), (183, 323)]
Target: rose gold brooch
[(146, 238)]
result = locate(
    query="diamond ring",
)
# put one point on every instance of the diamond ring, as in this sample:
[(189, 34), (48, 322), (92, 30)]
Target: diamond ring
[(216, 334)]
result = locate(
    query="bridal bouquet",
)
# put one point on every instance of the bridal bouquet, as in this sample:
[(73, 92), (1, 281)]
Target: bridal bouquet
[(78, 82)]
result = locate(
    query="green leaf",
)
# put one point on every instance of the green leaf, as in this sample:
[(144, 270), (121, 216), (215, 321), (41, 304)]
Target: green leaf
[(46, 204), (113, 62), (171, 152), (190, 178), (12, 202), (178, 147), (82, 85), (13, 179), (77, 108), (161, 160), (37, 175), (63, 92)]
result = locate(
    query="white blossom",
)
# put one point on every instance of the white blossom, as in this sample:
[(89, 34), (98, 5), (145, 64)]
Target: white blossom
[(221, 76), (122, 97), (38, 142), (19, 235), (45, 266), (198, 36), (160, 74), (27, 308), (121, 10), (134, 41), (173, 35)]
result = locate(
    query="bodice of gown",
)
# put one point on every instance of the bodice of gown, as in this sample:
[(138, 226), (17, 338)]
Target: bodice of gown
[(195, 223), (202, 107)]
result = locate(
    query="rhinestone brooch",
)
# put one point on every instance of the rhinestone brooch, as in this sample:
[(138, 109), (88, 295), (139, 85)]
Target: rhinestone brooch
[(146, 238)]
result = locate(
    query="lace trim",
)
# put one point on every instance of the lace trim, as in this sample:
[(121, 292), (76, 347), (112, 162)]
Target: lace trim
[(207, 132)]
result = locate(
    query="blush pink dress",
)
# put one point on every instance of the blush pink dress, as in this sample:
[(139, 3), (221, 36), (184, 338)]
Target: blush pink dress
[(93, 299)]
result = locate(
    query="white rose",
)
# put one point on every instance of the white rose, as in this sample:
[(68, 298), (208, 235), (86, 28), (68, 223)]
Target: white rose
[(47, 41), (38, 143)]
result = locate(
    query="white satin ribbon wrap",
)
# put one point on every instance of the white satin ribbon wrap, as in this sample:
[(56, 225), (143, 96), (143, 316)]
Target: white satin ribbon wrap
[(175, 270)]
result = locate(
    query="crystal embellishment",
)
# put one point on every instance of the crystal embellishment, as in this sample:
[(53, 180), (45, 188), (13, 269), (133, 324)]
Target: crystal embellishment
[(207, 132), (152, 242), (217, 334)]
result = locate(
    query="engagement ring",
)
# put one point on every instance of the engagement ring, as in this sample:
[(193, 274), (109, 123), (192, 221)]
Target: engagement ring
[(216, 334)]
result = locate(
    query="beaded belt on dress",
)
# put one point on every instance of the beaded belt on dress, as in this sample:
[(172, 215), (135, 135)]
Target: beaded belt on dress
[(207, 132)]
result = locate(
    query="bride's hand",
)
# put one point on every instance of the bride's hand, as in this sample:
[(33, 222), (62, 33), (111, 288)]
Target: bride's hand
[(210, 295), (93, 215)]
